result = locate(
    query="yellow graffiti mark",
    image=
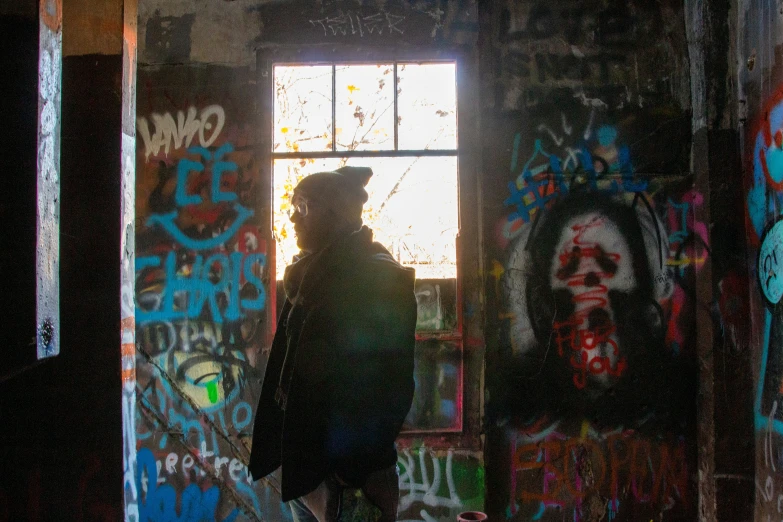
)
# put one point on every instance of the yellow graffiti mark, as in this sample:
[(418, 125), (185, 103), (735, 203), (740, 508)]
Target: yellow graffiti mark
[(584, 430), (686, 261), (497, 270)]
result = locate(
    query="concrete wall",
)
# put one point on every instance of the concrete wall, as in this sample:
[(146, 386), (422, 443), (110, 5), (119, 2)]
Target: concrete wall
[(199, 31)]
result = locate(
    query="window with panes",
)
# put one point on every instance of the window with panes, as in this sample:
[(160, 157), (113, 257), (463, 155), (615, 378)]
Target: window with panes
[(400, 119)]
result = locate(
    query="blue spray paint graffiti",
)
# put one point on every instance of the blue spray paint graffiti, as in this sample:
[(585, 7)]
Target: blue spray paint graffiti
[(200, 297), (589, 162), (770, 259), (182, 198), (220, 275), (769, 384), (762, 421), (766, 193), (757, 200), (160, 502), (216, 282)]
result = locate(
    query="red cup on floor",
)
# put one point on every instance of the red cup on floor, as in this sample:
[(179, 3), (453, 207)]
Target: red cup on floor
[(471, 516)]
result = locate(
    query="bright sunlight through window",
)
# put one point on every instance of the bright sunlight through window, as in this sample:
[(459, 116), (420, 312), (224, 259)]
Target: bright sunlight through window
[(328, 116)]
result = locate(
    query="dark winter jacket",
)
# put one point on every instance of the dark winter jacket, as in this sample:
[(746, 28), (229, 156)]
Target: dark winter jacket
[(339, 380)]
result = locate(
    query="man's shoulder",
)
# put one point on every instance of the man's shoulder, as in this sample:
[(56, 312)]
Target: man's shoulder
[(382, 268), (374, 274)]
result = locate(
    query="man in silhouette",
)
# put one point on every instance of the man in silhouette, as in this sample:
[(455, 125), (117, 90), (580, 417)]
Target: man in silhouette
[(339, 380)]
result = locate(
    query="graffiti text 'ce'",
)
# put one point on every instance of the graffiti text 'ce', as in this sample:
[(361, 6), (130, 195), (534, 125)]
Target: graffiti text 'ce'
[(228, 283)]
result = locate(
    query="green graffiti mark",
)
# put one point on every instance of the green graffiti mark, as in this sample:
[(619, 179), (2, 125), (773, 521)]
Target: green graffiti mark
[(212, 391)]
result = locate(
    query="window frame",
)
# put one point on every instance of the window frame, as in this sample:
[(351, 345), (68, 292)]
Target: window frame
[(466, 431), (396, 152)]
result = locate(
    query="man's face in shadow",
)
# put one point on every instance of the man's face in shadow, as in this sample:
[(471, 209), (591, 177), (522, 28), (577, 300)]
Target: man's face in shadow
[(313, 221)]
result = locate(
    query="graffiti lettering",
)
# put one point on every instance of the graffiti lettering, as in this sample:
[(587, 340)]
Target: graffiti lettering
[(207, 124), (548, 470), (160, 502), (426, 491), (171, 465), (350, 23), (183, 199), (770, 502), (199, 291), (588, 337), (216, 282), (162, 337)]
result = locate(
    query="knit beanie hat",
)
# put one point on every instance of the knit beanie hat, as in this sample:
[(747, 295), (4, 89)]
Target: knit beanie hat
[(342, 190)]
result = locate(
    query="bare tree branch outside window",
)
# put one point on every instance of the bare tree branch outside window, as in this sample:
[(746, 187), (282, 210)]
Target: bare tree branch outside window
[(413, 199)]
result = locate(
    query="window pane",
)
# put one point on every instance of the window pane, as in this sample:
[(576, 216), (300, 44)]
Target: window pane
[(438, 376), (303, 108), (436, 304), (364, 111), (427, 106), (412, 209)]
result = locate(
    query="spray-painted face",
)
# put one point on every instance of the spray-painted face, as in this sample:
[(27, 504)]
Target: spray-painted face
[(593, 262)]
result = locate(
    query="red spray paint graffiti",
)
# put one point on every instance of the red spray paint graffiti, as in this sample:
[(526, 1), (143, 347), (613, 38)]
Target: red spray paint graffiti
[(556, 471), (588, 337)]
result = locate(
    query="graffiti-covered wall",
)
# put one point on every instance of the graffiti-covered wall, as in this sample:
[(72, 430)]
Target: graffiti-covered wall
[(201, 300), (761, 91), (204, 258), (593, 249), (593, 241)]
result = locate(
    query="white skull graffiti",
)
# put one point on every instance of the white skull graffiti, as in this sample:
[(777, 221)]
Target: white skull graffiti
[(592, 259)]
